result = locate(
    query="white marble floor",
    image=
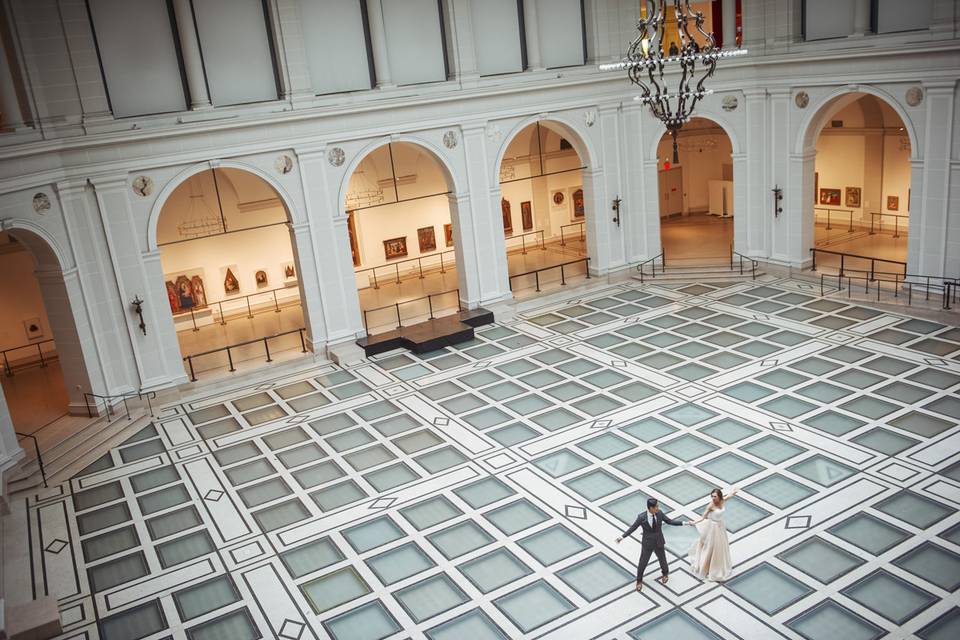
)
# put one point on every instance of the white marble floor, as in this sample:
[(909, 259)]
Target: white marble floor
[(477, 492)]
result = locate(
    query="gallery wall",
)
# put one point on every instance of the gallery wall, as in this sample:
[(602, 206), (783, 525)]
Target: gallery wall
[(702, 158), (21, 298)]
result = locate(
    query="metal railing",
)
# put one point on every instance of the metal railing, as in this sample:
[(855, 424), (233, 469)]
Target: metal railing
[(753, 263), (878, 219), (523, 242), (36, 448), (563, 277), (845, 257), (109, 403), (395, 266), (831, 211), (947, 287), (266, 346), (244, 304), (8, 368), (653, 265), (396, 307), (563, 240)]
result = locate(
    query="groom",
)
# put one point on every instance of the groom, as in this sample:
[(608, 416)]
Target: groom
[(651, 523)]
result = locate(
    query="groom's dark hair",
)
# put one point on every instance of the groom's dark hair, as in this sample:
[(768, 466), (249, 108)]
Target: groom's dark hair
[(651, 502)]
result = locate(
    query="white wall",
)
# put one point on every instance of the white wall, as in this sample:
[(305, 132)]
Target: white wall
[(397, 220), (336, 44), (496, 25), (21, 299), (414, 40), (702, 158), (560, 27)]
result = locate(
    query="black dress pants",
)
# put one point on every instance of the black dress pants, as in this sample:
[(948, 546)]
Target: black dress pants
[(645, 558)]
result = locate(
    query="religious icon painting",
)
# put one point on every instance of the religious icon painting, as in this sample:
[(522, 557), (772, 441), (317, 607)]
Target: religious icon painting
[(395, 248), (231, 284), (852, 197), (261, 278), (830, 197), (578, 204), (448, 234), (185, 290), (289, 271), (893, 203), (507, 217), (427, 238), (526, 215)]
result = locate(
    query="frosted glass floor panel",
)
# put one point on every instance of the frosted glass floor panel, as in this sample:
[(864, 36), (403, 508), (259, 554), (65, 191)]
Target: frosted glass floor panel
[(475, 625), (513, 434), (369, 457), (686, 447), (483, 492), (399, 563), (910, 507), (299, 456), (311, 557), (730, 468), (460, 539), (740, 514), (555, 419), (338, 495), (440, 459), (236, 625), (595, 484), (318, 474), (820, 559), (672, 626), (533, 606), (205, 597), (643, 465), (946, 627), (493, 570), (367, 622), (430, 512), (561, 463), (684, 487), (648, 429), (334, 589), (779, 491), (885, 441), (934, 564), (281, 515), (829, 620), (822, 470), (870, 533), (889, 596), (285, 438), (137, 622), (768, 588), (728, 431), (372, 534), (595, 577), (553, 544), (773, 449), (689, 414), (922, 424), (249, 472), (516, 516), (430, 597)]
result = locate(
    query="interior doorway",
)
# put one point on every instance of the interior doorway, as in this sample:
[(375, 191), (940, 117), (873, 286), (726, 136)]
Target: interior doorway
[(543, 208), (231, 272), (400, 221), (861, 183), (696, 195)]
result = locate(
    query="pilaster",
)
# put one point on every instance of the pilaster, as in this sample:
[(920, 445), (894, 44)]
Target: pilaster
[(78, 31), (462, 53), (378, 42), (293, 68), (934, 203), (531, 34), (190, 54)]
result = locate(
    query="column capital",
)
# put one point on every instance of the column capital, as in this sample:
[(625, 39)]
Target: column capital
[(70, 188), (109, 182), (939, 86), (310, 152), (755, 93), (151, 255)]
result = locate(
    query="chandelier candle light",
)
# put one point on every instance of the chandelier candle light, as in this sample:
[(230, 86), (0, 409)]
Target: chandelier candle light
[(646, 60)]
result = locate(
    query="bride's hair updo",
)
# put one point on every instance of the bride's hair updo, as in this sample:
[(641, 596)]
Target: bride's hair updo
[(718, 493)]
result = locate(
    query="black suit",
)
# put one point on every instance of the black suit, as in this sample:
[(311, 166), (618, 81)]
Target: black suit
[(652, 540)]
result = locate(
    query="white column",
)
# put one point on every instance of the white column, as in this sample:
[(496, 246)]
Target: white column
[(640, 210), (159, 320), (91, 88), (10, 451), (378, 42), (192, 59), (861, 17), (294, 70), (775, 231), (311, 300), (460, 41), (749, 223), (729, 10), (531, 32), (10, 114), (932, 205)]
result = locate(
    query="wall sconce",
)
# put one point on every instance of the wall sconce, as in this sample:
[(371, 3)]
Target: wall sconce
[(777, 197), (138, 309), (616, 209)]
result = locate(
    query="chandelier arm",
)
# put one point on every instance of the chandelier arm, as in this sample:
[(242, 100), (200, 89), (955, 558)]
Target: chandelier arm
[(710, 41)]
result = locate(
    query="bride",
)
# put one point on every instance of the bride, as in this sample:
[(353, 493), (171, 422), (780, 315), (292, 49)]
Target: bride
[(710, 554)]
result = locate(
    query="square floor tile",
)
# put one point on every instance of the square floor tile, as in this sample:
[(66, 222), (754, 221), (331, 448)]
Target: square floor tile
[(430, 597), (768, 588), (946, 627), (673, 625), (779, 491), (552, 544), (333, 589), (483, 492), (474, 624), (430, 512), (870, 407), (728, 430), (689, 414), (889, 596), (399, 563), (605, 446), (748, 391), (338, 495), (534, 605), (596, 405), (833, 422), (372, 534), (773, 449), (788, 407), (648, 429), (913, 508), (493, 570), (643, 465), (869, 533), (369, 457), (311, 557), (684, 487), (556, 419), (516, 516), (934, 564), (740, 514), (391, 476), (687, 447), (820, 559), (822, 470), (903, 392), (595, 577), (370, 621), (885, 441), (782, 378), (460, 539), (823, 392), (561, 463), (922, 424), (440, 459), (730, 468), (828, 620), (595, 484)]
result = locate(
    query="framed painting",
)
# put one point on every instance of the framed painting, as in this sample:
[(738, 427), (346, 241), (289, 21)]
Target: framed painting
[(578, 204), (507, 218), (352, 231), (852, 197), (526, 215), (231, 283), (260, 277), (289, 271), (395, 248), (448, 234), (830, 197), (558, 197), (33, 328), (427, 238), (186, 291), (893, 203)]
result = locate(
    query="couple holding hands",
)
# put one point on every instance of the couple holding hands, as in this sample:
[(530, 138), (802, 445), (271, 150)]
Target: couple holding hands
[(709, 555)]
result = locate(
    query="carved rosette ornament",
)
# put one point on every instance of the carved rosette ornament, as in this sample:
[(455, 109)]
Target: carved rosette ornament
[(494, 133), (142, 186), (283, 164), (41, 203), (801, 99), (589, 117), (336, 156), (450, 139), (914, 96), (729, 103)]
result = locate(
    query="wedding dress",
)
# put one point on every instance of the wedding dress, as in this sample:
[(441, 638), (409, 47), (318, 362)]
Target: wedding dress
[(710, 554)]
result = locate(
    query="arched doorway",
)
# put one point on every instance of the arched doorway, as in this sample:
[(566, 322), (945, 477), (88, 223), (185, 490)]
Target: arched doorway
[(43, 366), (861, 185), (696, 203), (543, 207), (401, 216), (231, 272)]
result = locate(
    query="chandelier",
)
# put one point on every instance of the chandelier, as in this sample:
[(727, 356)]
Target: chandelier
[(201, 220), (646, 60), (366, 193)]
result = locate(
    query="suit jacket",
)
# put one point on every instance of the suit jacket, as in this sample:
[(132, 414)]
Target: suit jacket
[(652, 536)]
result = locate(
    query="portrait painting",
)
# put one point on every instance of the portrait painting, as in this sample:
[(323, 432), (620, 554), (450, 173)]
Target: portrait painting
[(289, 271), (558, 197), (448, 234), (427, 238), (526, 215), (852, 197), (507, 217), (231, 284), (578, 203), (830, 197), (185, 290), (260, 277), (395, 248), (893, 203)]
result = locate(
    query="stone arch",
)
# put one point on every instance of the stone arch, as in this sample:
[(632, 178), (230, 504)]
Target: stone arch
[(580, 141), (46, 252), (721, 121)]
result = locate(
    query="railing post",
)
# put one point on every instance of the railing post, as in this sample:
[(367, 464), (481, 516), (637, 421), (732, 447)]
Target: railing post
[(376, 285), (872, 269), (563, 242), (193, 376), (249, 310), (896, 227), (563, 279), (523, 244), (430, 304), (871, 222), (813, 265), (230, 360), (399, 323), (850, 229), (536, 275), (841, 263), (266, 347), (303, 343), (543, 241), (442, 268), (6, 366), (909, 293), (193, 318), (276, 303), (821, 285), (43, 362), (223, 319), (928, 288), (586, 266), (420, 266), (396, 267), (366, 327), (828, 220)]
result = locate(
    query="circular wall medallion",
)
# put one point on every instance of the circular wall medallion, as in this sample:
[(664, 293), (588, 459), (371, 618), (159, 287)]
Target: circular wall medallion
[(914, 96), (729, 103), (336, 156), (558, 198), (801, 99), (41, 203), (450, 139), (283, 164), (142, 185)]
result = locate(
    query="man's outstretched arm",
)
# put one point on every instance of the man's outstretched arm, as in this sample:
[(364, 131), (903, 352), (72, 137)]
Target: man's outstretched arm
[(676, 523), (633, 527)]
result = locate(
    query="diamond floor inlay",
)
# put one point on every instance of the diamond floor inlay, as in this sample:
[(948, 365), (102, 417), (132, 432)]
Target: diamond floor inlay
[(478, 491)]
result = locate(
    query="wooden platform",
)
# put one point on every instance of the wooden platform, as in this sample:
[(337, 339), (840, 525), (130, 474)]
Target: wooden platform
[(430, 335)]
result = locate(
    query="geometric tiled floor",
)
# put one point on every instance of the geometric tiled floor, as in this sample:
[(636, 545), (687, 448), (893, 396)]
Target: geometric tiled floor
[(477, 492)]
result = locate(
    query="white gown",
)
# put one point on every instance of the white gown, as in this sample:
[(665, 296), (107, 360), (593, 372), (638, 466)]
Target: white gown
[(710, 554)]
